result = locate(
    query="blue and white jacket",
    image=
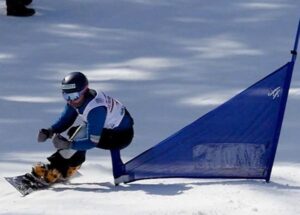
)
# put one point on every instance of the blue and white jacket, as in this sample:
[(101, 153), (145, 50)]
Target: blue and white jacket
[(98, 111)]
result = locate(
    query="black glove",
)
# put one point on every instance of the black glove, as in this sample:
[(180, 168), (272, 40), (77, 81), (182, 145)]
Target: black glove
[(61, 142), (44, 134)]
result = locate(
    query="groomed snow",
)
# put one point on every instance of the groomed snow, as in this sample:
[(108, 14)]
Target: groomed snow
[(169, 61)]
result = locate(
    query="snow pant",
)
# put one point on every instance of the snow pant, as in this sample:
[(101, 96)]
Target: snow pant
[(14, 3), (18, 8), (17, 3), (113, 140)]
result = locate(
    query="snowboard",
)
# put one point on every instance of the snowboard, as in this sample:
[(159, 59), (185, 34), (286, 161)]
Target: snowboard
[(28, 183)]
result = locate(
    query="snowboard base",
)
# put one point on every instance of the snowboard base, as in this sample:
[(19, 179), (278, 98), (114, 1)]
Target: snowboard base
[(27, 183)]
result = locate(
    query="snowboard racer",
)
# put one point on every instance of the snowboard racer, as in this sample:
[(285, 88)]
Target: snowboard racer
[(106, 125)]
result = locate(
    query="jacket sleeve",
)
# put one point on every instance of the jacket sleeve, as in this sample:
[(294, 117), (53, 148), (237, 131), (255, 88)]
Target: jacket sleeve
[(95, 124), (66, 119)]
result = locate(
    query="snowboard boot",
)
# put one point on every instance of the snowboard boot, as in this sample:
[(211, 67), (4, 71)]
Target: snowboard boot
[(72, 171), (44, 172), (39, 170), (52, 175), (17, 8)]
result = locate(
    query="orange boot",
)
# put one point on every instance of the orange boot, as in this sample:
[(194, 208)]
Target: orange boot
[(72, 171), (44, 172)]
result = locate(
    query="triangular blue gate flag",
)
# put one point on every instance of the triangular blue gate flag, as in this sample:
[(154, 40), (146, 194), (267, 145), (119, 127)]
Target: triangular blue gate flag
[(236, 140)]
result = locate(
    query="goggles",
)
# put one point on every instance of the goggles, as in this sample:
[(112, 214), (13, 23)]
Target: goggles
[(72, 96)]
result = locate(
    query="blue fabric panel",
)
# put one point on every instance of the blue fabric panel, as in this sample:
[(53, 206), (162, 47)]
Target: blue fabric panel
[(236, 140)]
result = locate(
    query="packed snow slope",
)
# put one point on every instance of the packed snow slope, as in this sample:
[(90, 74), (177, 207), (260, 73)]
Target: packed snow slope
[(169, 61)]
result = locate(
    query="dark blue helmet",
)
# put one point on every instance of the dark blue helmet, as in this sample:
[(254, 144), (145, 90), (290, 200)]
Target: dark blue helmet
[(74, 82)]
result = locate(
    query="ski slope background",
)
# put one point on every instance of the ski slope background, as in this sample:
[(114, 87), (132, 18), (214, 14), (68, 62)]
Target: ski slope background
[(169, 61)]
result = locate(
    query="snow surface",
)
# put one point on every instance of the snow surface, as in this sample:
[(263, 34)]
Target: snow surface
[(169, 61)]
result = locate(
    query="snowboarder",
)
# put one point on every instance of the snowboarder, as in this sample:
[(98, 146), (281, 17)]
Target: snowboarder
[(106, 124)]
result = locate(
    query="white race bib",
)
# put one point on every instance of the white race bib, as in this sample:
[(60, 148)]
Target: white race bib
[(115, 110)]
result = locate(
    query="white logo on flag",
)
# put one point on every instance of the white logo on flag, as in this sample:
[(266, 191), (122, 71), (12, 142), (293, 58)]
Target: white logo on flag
[(275, 93)]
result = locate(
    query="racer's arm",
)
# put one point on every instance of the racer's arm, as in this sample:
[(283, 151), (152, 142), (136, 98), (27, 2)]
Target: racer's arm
[(95, 124), (66, 119)]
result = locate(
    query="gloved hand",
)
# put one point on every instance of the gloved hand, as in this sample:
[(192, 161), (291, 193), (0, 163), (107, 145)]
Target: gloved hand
[(61, 142), (44, 134)]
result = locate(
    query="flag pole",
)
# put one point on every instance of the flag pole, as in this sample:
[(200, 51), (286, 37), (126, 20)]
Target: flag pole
[(294, 51), (286, 88)]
